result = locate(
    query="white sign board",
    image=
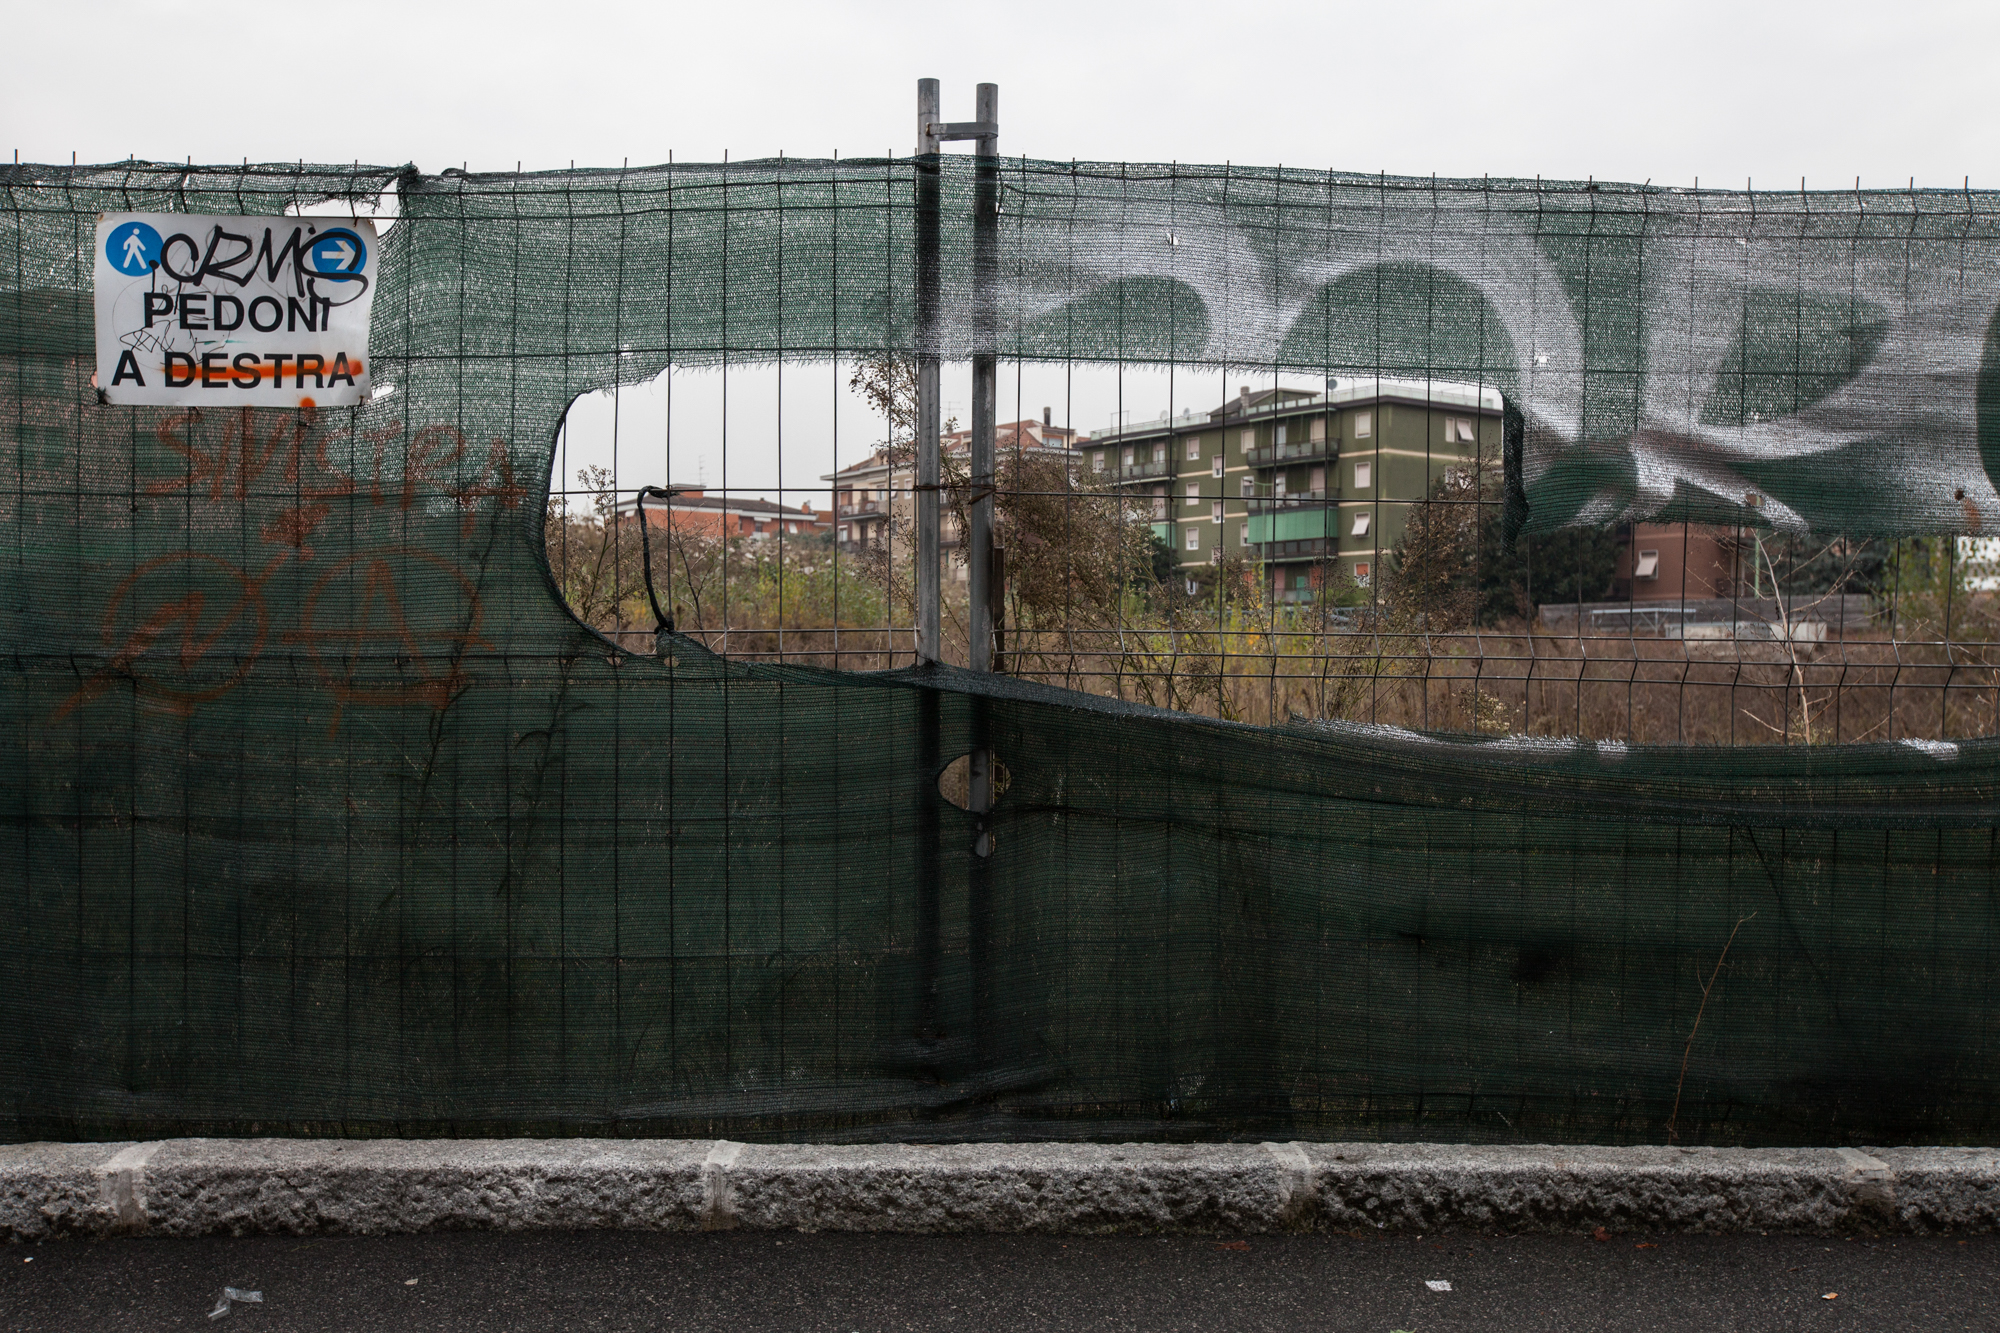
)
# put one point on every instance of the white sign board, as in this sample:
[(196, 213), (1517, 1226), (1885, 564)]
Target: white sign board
[(257, 312)]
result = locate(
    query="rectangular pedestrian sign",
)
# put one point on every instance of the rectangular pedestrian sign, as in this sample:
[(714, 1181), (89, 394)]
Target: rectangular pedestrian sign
[(218, 310)]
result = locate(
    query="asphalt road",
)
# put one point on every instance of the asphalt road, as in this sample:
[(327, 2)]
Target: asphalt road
[(859, 1284)]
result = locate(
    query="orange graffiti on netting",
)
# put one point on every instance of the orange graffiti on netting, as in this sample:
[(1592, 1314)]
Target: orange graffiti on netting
[(339, 654), (294, 525), (503, 490), (228, 471), (184, 606), (239, 459), (420, 462), (234, 464)]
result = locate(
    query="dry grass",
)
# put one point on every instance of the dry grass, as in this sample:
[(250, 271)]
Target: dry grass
[(1634, 688), (802, 601)]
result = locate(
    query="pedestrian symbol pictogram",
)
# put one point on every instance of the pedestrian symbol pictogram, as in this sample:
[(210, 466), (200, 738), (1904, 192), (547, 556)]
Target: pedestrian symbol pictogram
[(134, 248)]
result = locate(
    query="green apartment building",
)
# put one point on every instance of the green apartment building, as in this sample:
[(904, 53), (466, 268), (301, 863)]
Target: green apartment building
[(1295, 481)]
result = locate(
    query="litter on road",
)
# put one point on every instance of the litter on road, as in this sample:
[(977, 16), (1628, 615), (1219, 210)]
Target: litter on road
[(230, 1295)]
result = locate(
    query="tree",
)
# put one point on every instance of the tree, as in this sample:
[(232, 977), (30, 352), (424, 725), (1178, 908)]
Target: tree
[(1073, 545), (595, 573), (1454, 567), (1570, 565)]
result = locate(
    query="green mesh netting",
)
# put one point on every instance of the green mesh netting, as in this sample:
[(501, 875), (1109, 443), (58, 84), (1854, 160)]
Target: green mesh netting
[(322, 816)]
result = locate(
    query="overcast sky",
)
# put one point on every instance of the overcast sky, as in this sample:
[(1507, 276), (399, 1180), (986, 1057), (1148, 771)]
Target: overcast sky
[(1723, 90)]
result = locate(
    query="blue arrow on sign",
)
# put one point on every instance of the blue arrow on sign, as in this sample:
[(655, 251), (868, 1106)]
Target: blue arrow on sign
[(337, 254)]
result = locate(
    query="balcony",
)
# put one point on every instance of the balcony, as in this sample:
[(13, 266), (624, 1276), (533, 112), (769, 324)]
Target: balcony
[(1306, 548), (866, 509), (1292, 451), (1264, 502), (1145, 468), (1296, 534)]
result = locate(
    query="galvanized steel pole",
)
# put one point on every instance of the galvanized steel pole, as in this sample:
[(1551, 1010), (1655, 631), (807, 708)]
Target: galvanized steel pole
[(979, 562), (929, 886), (929, 473), (985, 377)]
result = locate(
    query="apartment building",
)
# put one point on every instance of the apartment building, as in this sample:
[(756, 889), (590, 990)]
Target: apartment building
[(865, 496), (1296, 481), (870, 494)]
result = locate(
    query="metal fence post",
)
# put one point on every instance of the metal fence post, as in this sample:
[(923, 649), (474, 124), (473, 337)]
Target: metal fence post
[(929, 904), (985, 391), (985, 377), (979, 559), (929, 473)]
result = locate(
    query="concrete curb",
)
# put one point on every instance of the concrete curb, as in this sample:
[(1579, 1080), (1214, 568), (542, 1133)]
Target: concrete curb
[(187, 1187)]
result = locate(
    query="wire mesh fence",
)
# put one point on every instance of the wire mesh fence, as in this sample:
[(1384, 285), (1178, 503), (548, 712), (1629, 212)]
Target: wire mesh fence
[(1643, 632), (351, 788)]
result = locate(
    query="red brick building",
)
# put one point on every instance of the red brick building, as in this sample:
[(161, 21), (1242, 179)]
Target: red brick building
[(695, 511), (1669, 562)]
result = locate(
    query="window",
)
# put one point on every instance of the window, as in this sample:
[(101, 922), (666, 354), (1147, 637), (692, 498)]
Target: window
[(1364, 425), (1194, 539), (1243, 535), (846, 532), (1302, 580), (1194, 447), (1459, 430), (1364, 474), (1278, 484), (1193, 587), (1361, 573), (1215, 512), (1215, 465), (1317, 431), (1361, 517), (1249, 438), (1648, 566), (1249, 486), (1281, 432), (1193, 493), (1097, 461), (1319, 478), (1159, 453), (1128, 455)]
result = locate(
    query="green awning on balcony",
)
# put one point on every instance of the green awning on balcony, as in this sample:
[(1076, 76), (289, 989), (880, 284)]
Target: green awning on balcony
[(1294, 525)]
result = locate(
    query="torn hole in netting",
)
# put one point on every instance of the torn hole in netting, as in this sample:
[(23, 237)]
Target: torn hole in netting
[(955, 780), (1278, 552), (383, 208)]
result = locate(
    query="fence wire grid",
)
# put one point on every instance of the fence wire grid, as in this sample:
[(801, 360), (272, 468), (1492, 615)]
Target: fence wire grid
[(1442, 625)]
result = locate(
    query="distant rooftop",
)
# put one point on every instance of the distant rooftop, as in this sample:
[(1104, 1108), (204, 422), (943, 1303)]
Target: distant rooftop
[(695, 498), (1341, 391)]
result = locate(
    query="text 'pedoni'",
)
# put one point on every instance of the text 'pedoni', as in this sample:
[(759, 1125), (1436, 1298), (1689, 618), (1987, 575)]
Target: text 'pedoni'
[(193, 311)]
